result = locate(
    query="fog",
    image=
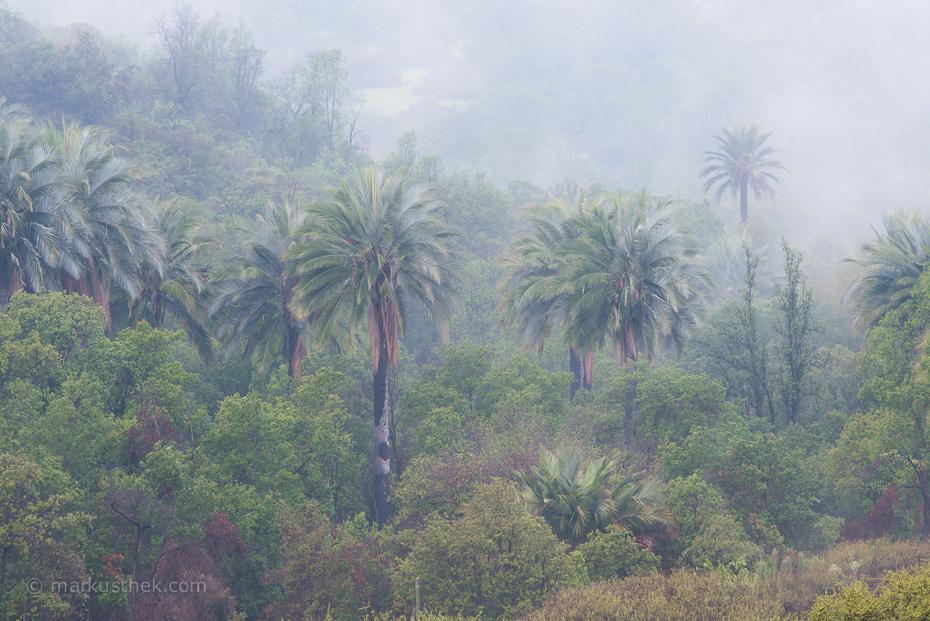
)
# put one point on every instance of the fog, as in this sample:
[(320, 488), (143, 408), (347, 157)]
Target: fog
[(628, 94)]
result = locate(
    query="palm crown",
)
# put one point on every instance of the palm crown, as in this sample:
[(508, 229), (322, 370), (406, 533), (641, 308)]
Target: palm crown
[(526, 298), (575, 501), (252, 294), (739, 163), (891, 265), (632, 278)]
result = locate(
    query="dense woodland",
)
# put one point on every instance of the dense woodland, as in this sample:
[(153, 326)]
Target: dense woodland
[(240, 351)]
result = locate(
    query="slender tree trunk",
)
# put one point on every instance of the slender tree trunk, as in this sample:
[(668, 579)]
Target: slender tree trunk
[(629, 412), (587, 371), (744, 200), (925, 493), (384, 509), (5, 291), (295, 352), (629, 353), (574, 365)]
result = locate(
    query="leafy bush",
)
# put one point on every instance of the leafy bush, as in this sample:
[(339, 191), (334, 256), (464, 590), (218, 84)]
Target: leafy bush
[(903, 596), (495, 561), (684, 596), (612, 553)]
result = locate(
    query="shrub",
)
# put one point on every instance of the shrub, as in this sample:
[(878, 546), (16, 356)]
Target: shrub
[(494, 561), (683, 596), (903, 596), (613, 554)]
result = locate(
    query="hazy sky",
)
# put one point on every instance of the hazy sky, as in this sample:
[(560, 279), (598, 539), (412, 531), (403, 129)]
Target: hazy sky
[(840, 83)]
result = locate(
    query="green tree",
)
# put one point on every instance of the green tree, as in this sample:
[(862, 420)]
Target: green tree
[(890, 266), (575, 503), (709, 534), (795, 324), (495, 560), (632, 278), (364, 256), (252, 296), (612, 553), (740, 163), (32, 198), (107, 225), (174, 291), (527, 297), (734, 346), (769, 481), (307, 117), (38, 536), (895, 388)]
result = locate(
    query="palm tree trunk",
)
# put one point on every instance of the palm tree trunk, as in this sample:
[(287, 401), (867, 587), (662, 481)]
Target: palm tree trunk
[(587, 371), (5, 290), (582, 367), (296, 352), (574, 365), (744, 200), (381, 463)]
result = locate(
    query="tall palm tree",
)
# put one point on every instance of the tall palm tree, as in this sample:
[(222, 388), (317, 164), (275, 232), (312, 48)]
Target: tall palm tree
[(109, 232), (177, 290), (738, 163), (890, 266), (632, 277), (33, 206), (361, 258), (576, 502), (252, 294), (526, 300)]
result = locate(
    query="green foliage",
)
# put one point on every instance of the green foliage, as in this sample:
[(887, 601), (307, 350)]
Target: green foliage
[(733, 346), (612, 553), (251, 292), (473, 400), (667, 405), (682, 596), (575, 503), (895, 389), (40, 536), (769, 481), (901, 596), (795, 324), (890, 266), (495, 560), (710, 536), (328, 572)]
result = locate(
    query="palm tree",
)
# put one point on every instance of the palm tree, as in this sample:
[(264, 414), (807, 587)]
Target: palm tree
[(890, 266), (576, 502), (109, 230), (252, 294), (632, 277), (362, 257), (176, 291), (32, 206), (739, 162), (11, 111), (525, 294)]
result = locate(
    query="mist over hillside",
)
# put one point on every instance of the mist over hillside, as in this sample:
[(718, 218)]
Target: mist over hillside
[(626, 94)]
